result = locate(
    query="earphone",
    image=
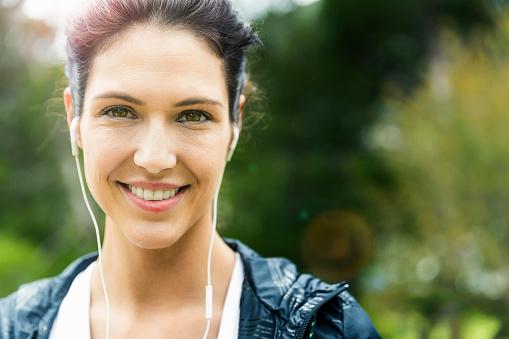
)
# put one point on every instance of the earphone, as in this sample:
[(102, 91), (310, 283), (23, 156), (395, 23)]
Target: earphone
[(74, 143), (208, 289), (75, 152), (235, 140)]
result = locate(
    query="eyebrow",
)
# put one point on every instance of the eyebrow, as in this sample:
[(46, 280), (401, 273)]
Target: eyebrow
[(121, 96), (198, 100), (133, 100)]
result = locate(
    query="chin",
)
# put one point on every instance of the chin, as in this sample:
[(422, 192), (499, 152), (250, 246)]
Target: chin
[(151, 236), (153, 243)]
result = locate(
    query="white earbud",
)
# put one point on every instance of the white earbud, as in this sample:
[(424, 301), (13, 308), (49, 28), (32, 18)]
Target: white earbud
[(74, 143), (234, 141)]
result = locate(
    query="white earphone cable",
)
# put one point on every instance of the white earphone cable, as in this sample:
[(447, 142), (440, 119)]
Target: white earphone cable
[(98, 237), (208, 288), (207, 329)]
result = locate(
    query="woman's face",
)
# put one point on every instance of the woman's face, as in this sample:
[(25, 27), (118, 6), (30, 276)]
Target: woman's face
[(155, 133)]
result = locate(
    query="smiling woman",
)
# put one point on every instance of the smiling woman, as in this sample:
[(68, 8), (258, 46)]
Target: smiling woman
[(155, 105)]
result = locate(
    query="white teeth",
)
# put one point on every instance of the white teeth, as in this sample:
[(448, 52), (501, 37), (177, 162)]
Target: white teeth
[(158, 195), (148, 195), (139, 192), (167, 194), (151, 195)]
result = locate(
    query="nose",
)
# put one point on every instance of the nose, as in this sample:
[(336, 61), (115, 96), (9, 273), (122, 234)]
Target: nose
[(156, 150)]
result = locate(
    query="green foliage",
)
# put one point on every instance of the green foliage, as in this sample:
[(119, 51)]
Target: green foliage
[(36, 220), (19, 263), (443, 224)]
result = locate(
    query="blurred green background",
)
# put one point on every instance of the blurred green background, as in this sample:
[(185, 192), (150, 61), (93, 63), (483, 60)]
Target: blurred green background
[(382, 157)]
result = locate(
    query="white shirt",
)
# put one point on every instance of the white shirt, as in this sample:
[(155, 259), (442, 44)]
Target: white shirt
[(229, 327), (73, 317)]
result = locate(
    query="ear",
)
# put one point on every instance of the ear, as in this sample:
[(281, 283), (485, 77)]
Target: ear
[(69, 109)]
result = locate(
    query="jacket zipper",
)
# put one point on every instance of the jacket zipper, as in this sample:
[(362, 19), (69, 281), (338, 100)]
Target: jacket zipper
[(309, 317)]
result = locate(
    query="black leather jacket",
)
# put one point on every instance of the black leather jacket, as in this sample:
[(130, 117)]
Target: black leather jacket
[(276, 302)]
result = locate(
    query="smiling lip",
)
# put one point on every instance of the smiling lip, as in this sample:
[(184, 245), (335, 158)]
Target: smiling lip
[(154, 206)]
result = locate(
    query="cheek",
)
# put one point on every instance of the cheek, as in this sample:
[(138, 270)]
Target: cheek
[(205, 156), (102, 154)]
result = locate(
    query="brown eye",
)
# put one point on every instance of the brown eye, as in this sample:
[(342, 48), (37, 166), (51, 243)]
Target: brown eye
[(119, 112), (194, 116)]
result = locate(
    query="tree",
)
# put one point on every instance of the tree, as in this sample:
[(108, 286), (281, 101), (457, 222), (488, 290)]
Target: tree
[(38, 228)]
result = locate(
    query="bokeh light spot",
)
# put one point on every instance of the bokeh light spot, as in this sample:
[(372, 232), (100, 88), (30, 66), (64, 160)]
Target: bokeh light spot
[(336, 245)]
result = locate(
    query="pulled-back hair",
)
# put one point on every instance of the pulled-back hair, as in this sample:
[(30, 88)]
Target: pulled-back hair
[(94, 28)]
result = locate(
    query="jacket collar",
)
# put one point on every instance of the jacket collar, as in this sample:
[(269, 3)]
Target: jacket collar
[(288, 297)]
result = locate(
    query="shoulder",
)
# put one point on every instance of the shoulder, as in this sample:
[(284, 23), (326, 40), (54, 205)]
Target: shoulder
[(21, 312), (336, 313), (343, 314), (33, 306), (274, 288)]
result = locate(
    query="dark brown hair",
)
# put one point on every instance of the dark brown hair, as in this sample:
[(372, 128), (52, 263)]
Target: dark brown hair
[(93, 29)]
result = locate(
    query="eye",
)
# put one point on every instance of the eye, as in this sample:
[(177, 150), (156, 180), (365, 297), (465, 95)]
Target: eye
[(118, 112), (193, 116)]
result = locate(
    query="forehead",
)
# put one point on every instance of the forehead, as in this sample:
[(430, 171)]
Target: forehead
[(149, 60)]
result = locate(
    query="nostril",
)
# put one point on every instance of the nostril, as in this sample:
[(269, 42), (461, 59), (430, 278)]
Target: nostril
[(155, 162), (155, 149)]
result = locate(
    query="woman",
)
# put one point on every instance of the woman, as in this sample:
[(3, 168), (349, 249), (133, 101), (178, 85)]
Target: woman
[(155, 100)]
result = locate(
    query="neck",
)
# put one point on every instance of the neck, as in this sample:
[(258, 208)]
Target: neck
[(166, 278)]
